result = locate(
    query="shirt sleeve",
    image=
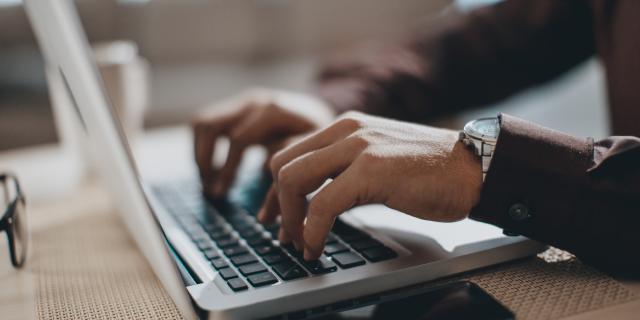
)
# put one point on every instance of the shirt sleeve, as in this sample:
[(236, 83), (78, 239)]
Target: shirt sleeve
[(464, 60), (575, 194)]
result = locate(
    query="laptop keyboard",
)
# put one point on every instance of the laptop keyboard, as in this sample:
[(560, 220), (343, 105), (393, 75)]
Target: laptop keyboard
[(246, 253)]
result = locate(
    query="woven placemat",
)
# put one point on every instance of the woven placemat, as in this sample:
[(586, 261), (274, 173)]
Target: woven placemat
[(550, 286), (89, 268)]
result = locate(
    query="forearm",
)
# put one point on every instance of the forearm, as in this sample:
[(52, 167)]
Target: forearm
[(463, 61), (568, 192)]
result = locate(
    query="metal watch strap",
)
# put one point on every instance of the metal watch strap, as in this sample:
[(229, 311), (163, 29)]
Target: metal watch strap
[(481, 149), (486, 152)]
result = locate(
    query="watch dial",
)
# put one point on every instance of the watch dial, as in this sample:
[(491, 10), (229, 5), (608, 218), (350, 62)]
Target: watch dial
[(486, 128)]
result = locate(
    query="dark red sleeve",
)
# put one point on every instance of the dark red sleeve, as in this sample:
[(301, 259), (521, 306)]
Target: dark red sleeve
[(572, 193), (463, 61)]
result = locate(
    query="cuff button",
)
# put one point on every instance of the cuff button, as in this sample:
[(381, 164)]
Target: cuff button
[(519, 212)]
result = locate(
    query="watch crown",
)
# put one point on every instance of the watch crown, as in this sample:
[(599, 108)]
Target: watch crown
[(462, 137)]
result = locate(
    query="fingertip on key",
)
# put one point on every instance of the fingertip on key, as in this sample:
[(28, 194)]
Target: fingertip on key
[(282, 237), (307, 255), (261, 215), (218, 189)]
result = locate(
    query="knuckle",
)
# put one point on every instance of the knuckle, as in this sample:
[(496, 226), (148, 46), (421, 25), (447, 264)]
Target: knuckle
[(275, 164), (370, 157), (288, 179), (247, 108), (367, 161), (237, 138), (285, 178), (359, 139), (271, 107), (350, 121), (353, 114), (197, 123)]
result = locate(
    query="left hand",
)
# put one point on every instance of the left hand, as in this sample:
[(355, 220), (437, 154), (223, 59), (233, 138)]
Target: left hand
[(419, 170)]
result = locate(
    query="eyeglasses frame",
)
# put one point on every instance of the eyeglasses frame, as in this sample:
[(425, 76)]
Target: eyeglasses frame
[(8, 217)]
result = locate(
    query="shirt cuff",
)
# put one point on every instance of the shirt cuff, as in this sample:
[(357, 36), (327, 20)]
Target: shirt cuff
[(534, 181)]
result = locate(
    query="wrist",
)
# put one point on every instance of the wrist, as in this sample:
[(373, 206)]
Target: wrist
[(470, 179)]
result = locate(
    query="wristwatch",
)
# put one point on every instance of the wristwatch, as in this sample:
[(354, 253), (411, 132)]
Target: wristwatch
[(481, 135)]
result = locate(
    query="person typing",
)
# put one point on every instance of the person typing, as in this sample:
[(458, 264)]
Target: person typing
[(363, 132)]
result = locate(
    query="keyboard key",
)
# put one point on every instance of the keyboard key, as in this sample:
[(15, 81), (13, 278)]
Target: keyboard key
[(243, 259), (292, 250), (341, 228), (224, 243), (364, 244), (243, 224), (198, 235), (265, 250), (249, 269), (275, 258), (205, 245), (235, 250), (258, 241), (219, 264), (331, 238), (289, 270), (227, 273), (322, 265), (353, 236), (220, 234), (334, 248), (273, 228), (237, 284), (212, 254), (379, 254), (262, 279), (214, 227), (250, 233), (347, 259)]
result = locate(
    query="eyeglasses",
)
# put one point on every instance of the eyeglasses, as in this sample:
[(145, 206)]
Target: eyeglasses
[(14, 220)]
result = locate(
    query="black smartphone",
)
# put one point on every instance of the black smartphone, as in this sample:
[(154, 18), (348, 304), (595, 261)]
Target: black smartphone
[(458, 300), (452, 301)]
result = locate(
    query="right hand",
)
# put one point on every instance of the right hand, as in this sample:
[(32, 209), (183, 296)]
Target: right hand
[(264, 117)]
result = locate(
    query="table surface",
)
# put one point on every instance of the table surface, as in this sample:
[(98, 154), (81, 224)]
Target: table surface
[(49, 209)]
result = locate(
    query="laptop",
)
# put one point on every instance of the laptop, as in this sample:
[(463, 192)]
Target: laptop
[(213, 258)]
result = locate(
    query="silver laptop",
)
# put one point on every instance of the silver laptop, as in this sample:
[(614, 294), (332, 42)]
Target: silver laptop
[(213, 258)]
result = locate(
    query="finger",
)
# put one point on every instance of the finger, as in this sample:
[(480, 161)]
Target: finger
[(270, 208), (227, 173), (254, 128), (203, 144), (283, 237), (320, 139), (206, 132), (278, 144), (338, 196), (272, 148), (306, 174)]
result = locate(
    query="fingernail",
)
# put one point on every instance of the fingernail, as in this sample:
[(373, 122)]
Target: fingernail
[(217, 189), (307, 254), (261, 215)]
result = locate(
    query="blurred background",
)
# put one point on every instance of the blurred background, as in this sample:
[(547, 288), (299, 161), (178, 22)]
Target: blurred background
[(199, 51)]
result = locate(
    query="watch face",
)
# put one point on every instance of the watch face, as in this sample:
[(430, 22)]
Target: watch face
[(484, 128)]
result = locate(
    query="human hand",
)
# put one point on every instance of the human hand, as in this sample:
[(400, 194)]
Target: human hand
[(419, 170), (260, 116)]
